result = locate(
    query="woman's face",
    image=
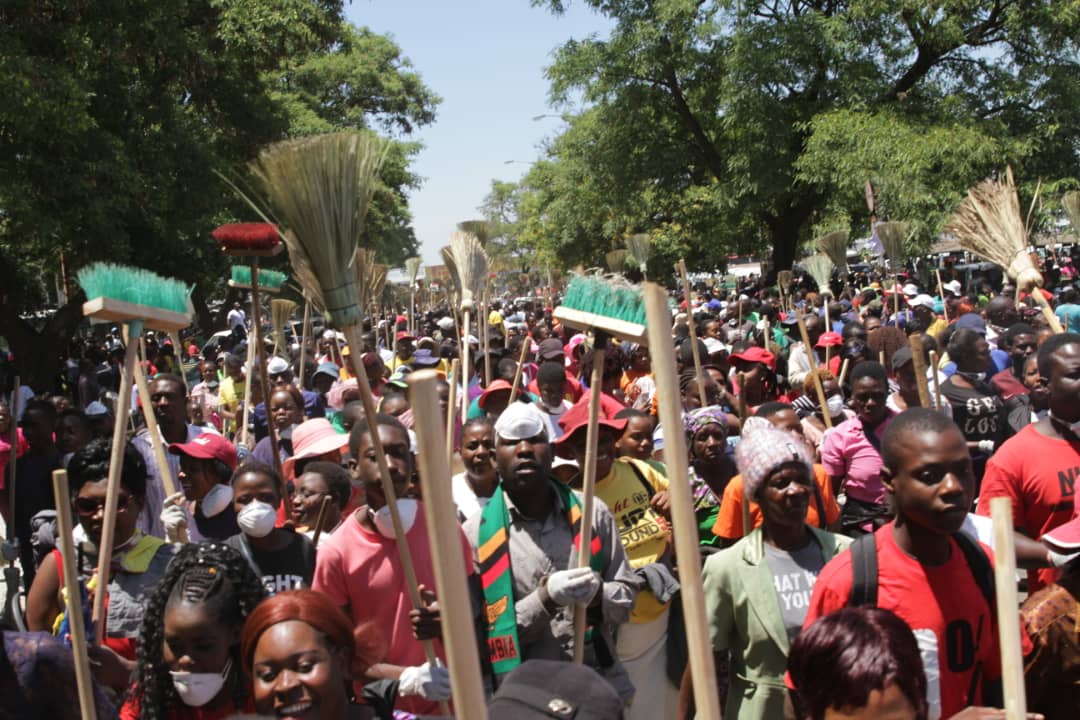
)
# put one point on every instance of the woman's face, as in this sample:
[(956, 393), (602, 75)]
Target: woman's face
[(194, 640), (311, 488), (283, 410), (296, 675), (785, 496), (637, 439), (478, 451), (868, 396), (89, 504), (253, 486), (710, 443)]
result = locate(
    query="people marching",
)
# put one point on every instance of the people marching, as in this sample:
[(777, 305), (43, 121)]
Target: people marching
[(843, 445)]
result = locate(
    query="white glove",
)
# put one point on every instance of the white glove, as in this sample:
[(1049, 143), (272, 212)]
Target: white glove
[(427, 681), (574, 586), (174, 518)]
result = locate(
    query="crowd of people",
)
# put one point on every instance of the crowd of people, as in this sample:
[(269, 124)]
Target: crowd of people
[(844, 444)]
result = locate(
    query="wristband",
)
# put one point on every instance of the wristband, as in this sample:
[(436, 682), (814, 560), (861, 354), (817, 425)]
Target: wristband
[(986, 446), (549, 605)]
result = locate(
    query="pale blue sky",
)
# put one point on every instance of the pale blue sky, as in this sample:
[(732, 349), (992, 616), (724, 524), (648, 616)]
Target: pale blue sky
[(486, 59)]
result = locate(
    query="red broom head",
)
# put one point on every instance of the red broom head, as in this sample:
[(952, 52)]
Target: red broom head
[(247, 236)]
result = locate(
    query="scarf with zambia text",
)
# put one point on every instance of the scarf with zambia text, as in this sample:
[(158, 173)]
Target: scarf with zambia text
[(496, 575)]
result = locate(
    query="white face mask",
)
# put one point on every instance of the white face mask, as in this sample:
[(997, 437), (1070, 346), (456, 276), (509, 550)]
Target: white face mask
[(381, 517), (257, 518), (216, 500), (835, 404), (197, 689)]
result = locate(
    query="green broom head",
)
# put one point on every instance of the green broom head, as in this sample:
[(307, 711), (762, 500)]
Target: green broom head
[(412, 269), (268, 279), (321, 187), (610, 297), (471, 263), (480, 228), (639, 246), (1071, 202), (135, 286), (616, 260), (892, 236), (820, 268), (834, 245)]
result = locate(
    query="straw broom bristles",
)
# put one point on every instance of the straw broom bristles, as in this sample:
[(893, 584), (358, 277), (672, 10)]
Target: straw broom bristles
[(363, 264), (616, 260), (1071, 202), (471, 263), (834, 245), (481, 229), (820, 268), (412, 269), (378, 282), (892, 236), (280, 312), (640, 246)]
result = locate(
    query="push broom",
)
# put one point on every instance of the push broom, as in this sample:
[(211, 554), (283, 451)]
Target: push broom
[(892, 236), (988, 224), (137, 299), (321, 187), (609, 307), (684, 524)]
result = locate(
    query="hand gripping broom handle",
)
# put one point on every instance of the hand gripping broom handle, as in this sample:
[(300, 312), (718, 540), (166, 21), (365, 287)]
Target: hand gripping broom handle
[(112, 488), (588, 488), (459, 637), (353, 337), (684, 524), (693, 331)]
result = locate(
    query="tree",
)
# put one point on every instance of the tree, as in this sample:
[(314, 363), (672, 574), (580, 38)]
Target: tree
[(114, 117), (750, 123)]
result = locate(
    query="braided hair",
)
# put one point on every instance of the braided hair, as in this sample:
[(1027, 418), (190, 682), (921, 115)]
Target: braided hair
[(210, 573)]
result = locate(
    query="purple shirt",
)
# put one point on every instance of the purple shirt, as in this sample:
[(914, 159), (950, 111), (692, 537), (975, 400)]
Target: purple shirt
[(847, 453)]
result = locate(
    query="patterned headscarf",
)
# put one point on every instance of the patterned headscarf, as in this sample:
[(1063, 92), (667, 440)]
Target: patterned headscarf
[(695, 420), (765, 447)]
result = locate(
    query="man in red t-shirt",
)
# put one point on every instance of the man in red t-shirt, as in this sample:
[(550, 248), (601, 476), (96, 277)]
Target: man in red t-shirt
[(923, 575), (1037, 468)]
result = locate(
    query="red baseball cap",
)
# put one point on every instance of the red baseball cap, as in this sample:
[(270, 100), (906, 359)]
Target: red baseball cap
[(1066, 538), (829, 339), (208, 446), (758, 355), (404, 335)]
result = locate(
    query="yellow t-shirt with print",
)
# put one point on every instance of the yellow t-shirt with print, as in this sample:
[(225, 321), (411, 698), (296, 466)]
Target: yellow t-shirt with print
[(644, 533)]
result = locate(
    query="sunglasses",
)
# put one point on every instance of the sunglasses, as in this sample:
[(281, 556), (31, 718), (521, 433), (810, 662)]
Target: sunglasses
[(88, 507)]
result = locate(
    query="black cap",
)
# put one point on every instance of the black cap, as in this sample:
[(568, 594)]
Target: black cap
[(545, 689), (901, 357)]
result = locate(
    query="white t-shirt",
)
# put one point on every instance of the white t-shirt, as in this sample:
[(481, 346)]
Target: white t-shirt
[(467, 502)]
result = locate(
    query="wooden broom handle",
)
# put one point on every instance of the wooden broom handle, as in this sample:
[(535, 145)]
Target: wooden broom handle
[(936, 364), (1047, 311), (304, 339), (819, 389), (459, 637), (684, 523), (588, 486), (693, 331), (451, 412), (112, 488), (320, 521), (941, 293), (520, 366), (918, 359), (1008, 616), (70, 580), (465, 374), (264, 378), (12, 410), (249, 370)]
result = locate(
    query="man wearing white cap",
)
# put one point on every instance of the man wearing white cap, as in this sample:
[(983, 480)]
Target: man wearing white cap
[(524, 540)]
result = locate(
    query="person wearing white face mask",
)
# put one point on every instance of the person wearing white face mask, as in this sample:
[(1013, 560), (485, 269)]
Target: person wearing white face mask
[(283, 558), (204, 508), (359, 568)]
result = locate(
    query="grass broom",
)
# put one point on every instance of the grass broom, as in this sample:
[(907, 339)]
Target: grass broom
[(459, 637), (784, 278), (321, 187), (136, 299), (607, 307), (412, 269), (892, 236), (820, 268), (480, 229), (616, 260), (469, 263), (834, 245), (988, 224), (692, 325), (1071, 202), (684, 524), (280, 312), (640, 247)]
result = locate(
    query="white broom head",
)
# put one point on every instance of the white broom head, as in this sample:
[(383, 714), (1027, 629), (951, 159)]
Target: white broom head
[(989, 224), (412, 268), (616, 260), (480, 228), (820, 268), (321, 187), (1071, 202), (835, 245), (472, 263), (892, 236), (639, 245)]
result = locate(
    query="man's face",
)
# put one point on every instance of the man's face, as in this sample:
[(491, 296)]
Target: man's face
[(405, 349), (934, 484), (1021, 347), (524, 465), (167, 398), (552, 392), (868, 397), (208, 371), (399, 457), (871, 323), (285, 377), (814, 328), (1064, 383), (322, 383)]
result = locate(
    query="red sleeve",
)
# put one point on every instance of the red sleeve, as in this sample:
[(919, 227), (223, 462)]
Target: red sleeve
[(832, 589), (1000, 481)]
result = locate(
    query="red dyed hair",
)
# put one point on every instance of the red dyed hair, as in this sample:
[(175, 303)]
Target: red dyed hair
[(363, 645)]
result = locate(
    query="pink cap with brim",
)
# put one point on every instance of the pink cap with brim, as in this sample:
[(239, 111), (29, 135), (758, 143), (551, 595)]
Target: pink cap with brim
[(1066, 537)]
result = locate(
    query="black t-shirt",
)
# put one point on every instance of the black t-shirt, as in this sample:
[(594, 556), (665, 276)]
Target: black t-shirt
[(979, 411), (220, 527), (290, 568)]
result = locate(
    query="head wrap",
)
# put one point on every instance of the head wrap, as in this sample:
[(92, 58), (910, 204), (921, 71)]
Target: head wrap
[(695, 420), (765, 447)]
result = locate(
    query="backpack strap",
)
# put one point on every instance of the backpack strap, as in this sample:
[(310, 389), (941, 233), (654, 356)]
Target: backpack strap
[(864, 572), (641, 477), (980, 566)]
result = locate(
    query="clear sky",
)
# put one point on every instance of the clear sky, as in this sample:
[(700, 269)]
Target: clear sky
[(486, 59)]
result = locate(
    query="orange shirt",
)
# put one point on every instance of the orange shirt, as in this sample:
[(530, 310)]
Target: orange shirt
[(729, 522)]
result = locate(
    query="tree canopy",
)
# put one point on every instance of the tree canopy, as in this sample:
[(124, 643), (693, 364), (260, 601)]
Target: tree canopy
[(721, 127)]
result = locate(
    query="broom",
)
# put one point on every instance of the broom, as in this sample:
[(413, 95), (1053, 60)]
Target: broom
[(469, 263), (784, 279), (834, 245), (640, 245), (480, 229), (280, 312), (681, 269), (1071, 202), (616, 260), (820, 268), (412, 269), (137, 299), (892, 235), (988, 224), (684, 524), (322, 186), (608, 307)]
